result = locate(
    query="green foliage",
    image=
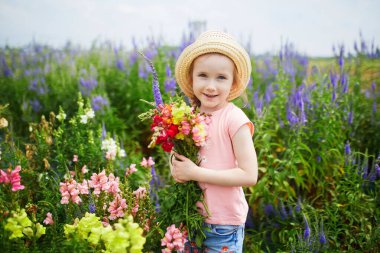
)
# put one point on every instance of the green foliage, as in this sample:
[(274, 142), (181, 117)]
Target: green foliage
[(316, 138)]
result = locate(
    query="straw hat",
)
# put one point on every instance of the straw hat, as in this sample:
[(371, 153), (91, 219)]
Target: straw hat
[(214, 42)]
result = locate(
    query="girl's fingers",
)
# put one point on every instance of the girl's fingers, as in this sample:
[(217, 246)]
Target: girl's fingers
[(180, 157)]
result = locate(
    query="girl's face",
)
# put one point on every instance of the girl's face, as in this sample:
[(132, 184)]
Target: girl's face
[(212, 76)]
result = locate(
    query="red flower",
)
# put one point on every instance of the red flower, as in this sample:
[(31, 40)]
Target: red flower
[(167, 146), (172, 131)]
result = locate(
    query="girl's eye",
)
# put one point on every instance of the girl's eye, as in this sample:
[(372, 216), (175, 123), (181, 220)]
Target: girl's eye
[(222, 77), (202, 75)]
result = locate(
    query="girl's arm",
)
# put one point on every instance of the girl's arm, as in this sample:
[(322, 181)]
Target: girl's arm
[(245, 175)]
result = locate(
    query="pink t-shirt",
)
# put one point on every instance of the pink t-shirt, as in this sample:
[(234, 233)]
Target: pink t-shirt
[(227, 205)]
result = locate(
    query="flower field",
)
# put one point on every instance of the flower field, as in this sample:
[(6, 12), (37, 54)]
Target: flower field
[(77, 174)]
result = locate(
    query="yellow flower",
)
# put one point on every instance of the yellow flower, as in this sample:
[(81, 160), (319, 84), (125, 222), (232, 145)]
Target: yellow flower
[(180, 112), (180, 136)]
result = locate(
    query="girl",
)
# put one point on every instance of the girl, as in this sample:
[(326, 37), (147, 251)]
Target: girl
[(212, 71)]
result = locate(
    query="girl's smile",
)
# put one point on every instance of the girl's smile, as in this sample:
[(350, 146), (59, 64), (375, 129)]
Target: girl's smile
[(213, 77)]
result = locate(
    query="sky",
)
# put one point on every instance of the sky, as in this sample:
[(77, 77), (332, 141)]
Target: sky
[(312, 26)]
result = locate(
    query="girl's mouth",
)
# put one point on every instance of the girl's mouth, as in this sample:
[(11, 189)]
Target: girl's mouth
[(209, 96)]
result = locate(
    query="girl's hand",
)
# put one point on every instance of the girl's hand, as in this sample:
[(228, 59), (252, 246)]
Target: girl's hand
[(182, 168)]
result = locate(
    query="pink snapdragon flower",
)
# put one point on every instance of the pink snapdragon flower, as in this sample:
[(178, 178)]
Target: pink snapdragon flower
[(69, 192), (4, 177), (84, 169), (140, 192), (75, 158), (132, 169), (135, 209), (174, 239), (117, 207), (83, 187), (113, 184), (99, 182), (12, 177), (185, 127), (49, 219), (147, 163)]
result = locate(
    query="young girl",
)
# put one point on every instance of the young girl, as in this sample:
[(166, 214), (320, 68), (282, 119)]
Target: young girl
[(212, 71)]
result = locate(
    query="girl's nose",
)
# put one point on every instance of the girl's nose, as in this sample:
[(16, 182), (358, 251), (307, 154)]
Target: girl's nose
[(211, 85)]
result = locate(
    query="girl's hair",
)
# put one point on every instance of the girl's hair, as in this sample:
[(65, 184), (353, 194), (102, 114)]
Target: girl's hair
[(236, 79)]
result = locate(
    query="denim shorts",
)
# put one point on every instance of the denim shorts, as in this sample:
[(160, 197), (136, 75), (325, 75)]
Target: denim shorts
[(220, 238)]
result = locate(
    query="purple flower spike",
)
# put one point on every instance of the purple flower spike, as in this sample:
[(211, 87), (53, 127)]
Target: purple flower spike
[(155, 84), (306, 233)]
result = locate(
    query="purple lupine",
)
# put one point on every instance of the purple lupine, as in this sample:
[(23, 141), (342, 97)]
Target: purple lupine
[(344, 83), (170, 86), (341, 58), (87, 85), (170, 83), (104, 131), (258, 103), (347, 148), (249, 85), (38, 85), (154, 185), (142, 71), (283, 212), (306, 233), (133, 57), (98, 102), (290, 211), (374, 106), (322, 236), (7, 72), (269, 210), (291, 116), (350, 117), (155, 83), (120, 64), (365, 170), (377, 168), (36, 105), (333, 79), (333, 96), (299, 205), (356, 47), (91, 208), (268, 94)]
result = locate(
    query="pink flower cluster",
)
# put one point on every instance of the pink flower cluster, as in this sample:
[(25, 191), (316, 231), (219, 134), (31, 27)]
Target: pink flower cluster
[(70, 190), (200, 128), (49, 219), (12, 177), (174, 239), (100, 182), (147, 163), (117, 207), (132, 169)]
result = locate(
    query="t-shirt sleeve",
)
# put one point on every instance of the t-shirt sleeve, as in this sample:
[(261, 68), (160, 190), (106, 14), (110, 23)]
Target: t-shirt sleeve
[(236, 120)]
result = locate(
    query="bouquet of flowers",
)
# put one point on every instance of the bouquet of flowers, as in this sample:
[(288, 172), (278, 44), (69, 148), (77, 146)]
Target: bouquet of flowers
[(179, 127)]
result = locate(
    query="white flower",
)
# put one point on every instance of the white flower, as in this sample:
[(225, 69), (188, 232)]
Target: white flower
[(109, 145), (90, 113), (3, 123), (83, 119), (61, 116), (122, 153)]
